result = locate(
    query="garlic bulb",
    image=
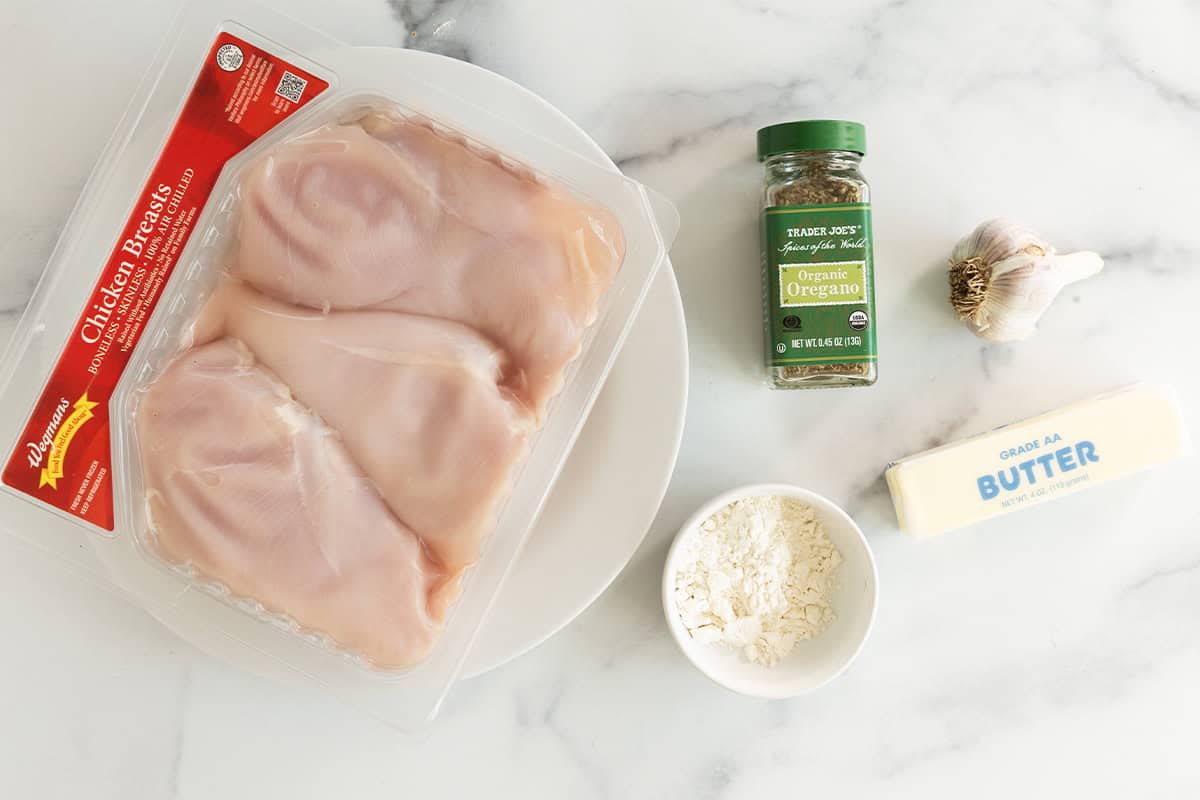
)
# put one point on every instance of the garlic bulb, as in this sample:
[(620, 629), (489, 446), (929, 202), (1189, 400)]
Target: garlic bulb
[(1003, 278)]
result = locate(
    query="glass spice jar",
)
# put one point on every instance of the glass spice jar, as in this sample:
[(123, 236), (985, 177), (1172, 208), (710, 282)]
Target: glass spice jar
[(818, 274)]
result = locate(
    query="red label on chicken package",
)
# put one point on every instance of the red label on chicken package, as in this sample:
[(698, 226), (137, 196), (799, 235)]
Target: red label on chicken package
[(64, 456)]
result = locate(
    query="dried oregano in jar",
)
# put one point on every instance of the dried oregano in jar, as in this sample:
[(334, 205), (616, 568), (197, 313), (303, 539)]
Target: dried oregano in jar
[(818, 274)]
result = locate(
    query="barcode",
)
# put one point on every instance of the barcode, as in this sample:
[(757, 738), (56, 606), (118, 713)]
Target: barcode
[(291, 87)]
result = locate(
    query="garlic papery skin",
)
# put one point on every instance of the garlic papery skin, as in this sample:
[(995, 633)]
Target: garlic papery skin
[(1003, 277)]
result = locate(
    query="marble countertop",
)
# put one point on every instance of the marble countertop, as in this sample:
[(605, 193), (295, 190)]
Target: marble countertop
[(1053, 653)]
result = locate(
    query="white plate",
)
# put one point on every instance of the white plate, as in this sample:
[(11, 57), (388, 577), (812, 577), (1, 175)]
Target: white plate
[(612, 485)]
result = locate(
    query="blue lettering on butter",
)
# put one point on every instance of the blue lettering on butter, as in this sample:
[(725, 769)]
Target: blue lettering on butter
[(1045, 462), (1009, 478), (1065, 459)]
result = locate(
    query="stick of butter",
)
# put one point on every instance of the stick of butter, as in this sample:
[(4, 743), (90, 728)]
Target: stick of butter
[(1038, 459)]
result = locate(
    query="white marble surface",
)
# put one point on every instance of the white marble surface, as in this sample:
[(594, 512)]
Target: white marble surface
[(1055, 653)]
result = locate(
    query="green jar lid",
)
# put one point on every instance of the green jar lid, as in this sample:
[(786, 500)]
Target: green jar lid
[(812, 134)]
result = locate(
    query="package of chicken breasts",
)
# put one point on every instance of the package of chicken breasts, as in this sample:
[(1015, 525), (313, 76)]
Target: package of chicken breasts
[(311, 351)]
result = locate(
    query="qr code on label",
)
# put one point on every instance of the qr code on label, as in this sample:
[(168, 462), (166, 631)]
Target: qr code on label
[(291, 87)]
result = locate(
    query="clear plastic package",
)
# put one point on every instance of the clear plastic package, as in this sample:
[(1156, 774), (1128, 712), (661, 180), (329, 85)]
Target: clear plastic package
[(311, 351)]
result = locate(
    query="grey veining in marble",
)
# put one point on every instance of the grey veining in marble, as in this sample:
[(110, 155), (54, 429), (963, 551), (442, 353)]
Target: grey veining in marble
[(1053, 653)]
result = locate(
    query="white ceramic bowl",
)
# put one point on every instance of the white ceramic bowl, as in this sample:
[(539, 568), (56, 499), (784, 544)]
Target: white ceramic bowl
[(814, 662)]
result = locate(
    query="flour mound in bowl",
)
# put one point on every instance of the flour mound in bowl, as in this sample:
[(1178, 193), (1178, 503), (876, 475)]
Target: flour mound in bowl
[(757, 577)]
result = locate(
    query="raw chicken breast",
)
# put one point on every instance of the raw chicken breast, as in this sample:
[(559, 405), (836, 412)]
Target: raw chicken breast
[(405, 219), (256, 493), (414, 399)]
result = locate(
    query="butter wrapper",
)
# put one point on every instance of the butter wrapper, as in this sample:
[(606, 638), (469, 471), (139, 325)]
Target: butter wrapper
[(1038, 459)]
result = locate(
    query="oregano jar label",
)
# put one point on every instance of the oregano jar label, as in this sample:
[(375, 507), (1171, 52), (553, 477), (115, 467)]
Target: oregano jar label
[(818, 280)]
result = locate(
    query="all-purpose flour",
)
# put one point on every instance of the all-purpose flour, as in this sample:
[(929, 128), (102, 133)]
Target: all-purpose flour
[(758, 576)]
